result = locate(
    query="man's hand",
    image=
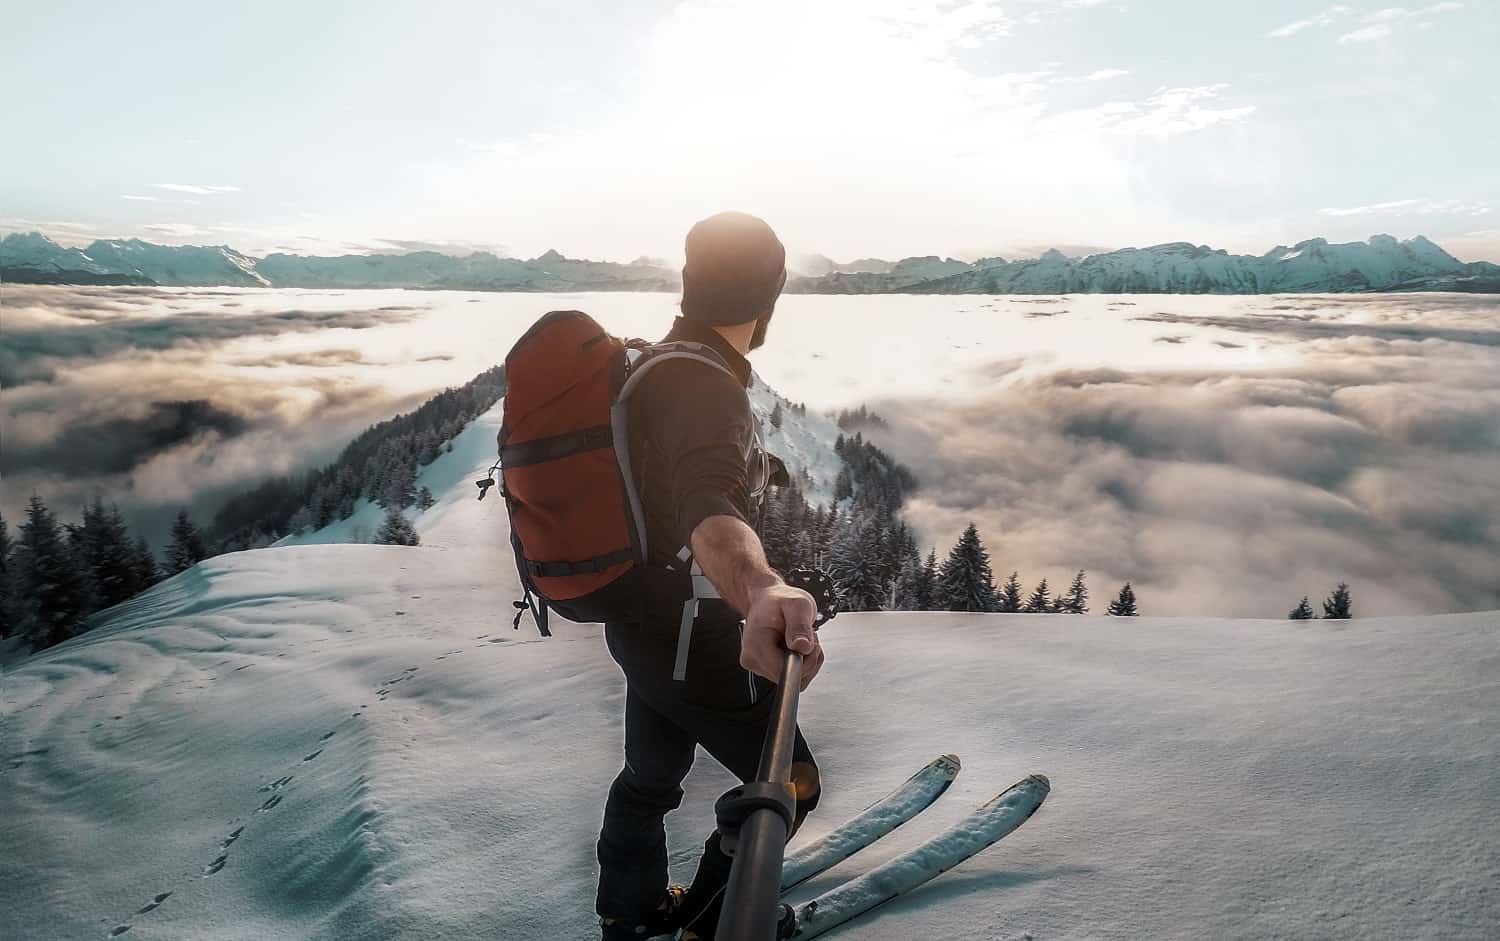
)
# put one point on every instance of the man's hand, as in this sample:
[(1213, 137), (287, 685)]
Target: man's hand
[(780, 618)]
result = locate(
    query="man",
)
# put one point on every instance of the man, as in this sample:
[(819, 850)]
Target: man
[(694, 454)]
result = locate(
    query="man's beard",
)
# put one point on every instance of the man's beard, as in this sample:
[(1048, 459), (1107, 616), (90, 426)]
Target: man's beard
[(759, 336)]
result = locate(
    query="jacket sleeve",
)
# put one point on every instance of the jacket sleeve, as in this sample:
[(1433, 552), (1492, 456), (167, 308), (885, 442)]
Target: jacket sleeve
[(702, 427)]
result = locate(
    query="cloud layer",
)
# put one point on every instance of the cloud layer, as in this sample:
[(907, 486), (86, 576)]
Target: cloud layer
[(161, 398), (1375, 459)]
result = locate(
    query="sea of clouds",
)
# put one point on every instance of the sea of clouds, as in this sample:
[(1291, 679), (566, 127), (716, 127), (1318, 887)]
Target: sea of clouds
[(1227, 455)]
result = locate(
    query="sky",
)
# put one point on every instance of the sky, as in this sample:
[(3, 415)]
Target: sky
[(856, 127)]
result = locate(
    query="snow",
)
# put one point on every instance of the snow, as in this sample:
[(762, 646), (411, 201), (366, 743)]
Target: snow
[(350, 741), (803, 442)]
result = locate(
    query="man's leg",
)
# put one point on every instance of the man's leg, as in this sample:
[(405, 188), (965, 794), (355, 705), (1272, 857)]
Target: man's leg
[(735, 742), (728, 712), (632, 842)]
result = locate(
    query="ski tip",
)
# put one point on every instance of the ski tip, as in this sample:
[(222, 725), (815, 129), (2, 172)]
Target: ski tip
[(1040, 780), (949, 762)]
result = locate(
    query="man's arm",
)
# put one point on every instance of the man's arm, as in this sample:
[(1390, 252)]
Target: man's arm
[(778, 617)]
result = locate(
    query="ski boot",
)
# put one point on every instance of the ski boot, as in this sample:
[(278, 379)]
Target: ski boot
[(661, 923)]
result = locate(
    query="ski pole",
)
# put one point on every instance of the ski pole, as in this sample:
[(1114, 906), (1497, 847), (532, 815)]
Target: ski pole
[(751, 909), (755, 819)]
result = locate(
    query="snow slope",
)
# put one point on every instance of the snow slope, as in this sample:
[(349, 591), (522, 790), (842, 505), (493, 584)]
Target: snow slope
[(349, 741)]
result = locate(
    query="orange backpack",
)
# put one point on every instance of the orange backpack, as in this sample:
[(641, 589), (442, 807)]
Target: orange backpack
[(575, 514)]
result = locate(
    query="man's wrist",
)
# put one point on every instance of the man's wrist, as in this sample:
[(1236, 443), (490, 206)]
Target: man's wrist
[(763, 581)]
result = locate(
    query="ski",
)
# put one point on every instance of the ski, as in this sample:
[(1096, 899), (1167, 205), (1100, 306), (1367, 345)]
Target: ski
[(980, 829), (874, 822)]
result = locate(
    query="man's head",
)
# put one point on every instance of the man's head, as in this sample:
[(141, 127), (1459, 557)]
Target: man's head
[(736, 268)]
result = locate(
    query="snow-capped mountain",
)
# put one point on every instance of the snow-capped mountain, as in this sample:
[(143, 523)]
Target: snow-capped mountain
[(350, 741), (184, 265), (1380, 264), (35, 250), (480, 271)]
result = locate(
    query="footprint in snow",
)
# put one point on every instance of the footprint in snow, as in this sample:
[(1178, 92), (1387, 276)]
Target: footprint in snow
[(276, 785), (313, 755), (217, 864), (223, 845), (115, 933), (274, 800), (160, 897), (327, 736)]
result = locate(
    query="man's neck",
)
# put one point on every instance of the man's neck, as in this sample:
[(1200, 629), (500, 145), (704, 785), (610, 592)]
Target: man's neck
[(738, 336)]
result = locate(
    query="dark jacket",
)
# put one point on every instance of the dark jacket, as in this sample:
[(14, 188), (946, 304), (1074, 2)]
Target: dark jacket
[(693, 438)]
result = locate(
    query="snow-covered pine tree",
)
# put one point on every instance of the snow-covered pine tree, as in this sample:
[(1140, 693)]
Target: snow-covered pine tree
[(1076, 599), (776, 416), (966, 582), (857, 565), (396, 529), (425, 499), (400, 485), (1040, 601), (925, 584), (1010, 594), (50, 584), (1303, 611), (1124, 604), (1339, 606), (186, 549)]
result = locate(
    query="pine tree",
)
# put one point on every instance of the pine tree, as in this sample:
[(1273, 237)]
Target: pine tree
[(400, 488), (1339, 606), (1303, 611), (186, 549), (143, 561), (425, 499), (51, 587), (1076, 599), (106, 551), (7, 592), (776, 416), (858, 567), (1010, 595), (1124, 604), (301, 521), (396, 530), (966, 582), (924, 596), (1040, 601), (843, 486)]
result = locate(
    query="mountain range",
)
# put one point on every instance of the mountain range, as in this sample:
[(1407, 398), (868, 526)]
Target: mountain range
[(1381, 263)]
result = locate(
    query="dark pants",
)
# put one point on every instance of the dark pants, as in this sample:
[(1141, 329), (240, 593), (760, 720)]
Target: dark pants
[(719, 706)]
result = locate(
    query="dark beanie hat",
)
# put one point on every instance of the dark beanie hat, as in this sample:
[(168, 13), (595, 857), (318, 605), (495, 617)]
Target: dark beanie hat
[(736, 267)]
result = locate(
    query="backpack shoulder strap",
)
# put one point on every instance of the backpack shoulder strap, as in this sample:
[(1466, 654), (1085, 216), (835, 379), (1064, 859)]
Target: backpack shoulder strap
[(640, 360)]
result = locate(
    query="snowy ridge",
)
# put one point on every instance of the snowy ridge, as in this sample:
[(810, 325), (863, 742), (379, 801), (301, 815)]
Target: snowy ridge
[(804, 442), (350, 741)]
